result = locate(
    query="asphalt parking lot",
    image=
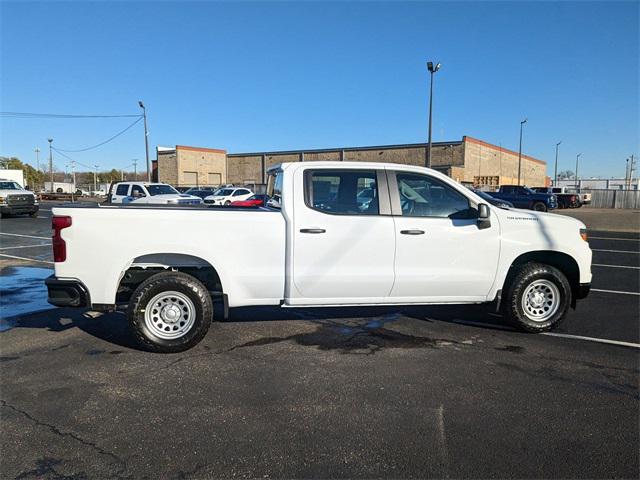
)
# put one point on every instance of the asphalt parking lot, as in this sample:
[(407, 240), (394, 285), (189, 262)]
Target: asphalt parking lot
[(411, 392)]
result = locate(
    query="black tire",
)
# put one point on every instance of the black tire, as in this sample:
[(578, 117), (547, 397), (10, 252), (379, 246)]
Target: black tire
[(155, 285), (227, 203), (521, 279), (33, 214), (539, 207)]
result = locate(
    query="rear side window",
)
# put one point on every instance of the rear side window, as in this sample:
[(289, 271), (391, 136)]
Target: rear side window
[(342, 192), (122, 189), (138, 189), (274, 189), (424, 196)]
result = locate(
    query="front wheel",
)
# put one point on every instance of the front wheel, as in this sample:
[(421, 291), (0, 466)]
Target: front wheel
[(170, 312), (538, 297), (227, 203), (539, 207)]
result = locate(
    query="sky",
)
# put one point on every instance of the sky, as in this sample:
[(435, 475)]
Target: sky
[(260, 76)]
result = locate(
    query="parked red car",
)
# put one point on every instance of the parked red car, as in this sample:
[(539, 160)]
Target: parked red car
[(252, 201)]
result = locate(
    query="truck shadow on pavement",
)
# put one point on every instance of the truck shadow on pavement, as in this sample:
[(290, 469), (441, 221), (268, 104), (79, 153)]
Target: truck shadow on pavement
[(347, 329)]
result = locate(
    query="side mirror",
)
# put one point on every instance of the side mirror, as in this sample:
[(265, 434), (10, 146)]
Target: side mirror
[(484, 214)]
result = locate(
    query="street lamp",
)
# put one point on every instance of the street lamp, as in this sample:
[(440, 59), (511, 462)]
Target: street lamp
[(520, 150), (50, 140), (146, 139), (432, 69), (555, 170), (577, 181)]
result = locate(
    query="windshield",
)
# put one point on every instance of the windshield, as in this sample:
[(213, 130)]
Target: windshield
[(10, 186), (224, 192), (161, 190), (484, 195)]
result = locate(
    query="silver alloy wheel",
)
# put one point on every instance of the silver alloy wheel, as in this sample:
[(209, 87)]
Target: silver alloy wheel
[(541, 300), (170, 315)]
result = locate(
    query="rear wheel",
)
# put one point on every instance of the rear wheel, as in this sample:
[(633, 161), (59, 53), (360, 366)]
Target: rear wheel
[(539, 207), (170, 312), (538, 297)]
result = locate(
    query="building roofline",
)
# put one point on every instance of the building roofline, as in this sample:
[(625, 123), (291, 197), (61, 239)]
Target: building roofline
[(345, 149), (468, 139), (200, 149)]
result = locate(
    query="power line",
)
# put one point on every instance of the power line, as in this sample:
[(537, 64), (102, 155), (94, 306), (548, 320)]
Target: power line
[(101, 143), (69, 158), (59, 115)]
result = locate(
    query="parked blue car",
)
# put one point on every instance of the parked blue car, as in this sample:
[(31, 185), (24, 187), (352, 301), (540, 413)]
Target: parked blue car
[(524, 197)]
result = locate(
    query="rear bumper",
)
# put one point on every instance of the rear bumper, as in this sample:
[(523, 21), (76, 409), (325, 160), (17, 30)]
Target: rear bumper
[(67, 293), (583, 290)]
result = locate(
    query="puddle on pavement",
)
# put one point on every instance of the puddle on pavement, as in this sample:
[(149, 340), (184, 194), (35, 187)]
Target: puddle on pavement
[(22, 291)]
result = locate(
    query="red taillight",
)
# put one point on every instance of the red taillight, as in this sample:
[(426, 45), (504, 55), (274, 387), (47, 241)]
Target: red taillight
[(59, 247)]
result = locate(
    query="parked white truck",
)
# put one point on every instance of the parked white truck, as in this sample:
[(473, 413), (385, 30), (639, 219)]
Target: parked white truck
[(150, 193), (416, 237)]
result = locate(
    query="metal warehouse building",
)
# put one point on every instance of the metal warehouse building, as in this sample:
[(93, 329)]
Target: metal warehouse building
[(469, 161)]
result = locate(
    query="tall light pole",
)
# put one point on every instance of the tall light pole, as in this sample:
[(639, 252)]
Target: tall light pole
[(626, 176), (146, 139), (95, 178), (520, 150), (50, 140), (577, 181), (37, 150), (432, 69), (555, 170), (135, 169)]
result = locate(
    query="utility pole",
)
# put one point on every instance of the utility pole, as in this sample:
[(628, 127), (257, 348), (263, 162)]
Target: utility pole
[(50, 140), (520, 150), (626, 175), (146, 139), (577, 181), (432, 69), (555, 170), (95, 178), (632, 169), (135, 169), (37, 150)]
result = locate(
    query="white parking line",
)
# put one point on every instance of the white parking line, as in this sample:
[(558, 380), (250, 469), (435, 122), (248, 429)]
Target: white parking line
[(25, 258), (25, 236), (26, 246), (592, 339), (613, 266), (614, 291), (614, 251)]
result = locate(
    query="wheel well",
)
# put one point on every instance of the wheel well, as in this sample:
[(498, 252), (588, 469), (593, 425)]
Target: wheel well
[(563, 262), (145, 266)]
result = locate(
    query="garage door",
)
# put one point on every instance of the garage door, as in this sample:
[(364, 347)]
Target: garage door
[(214, 179), (190, 179)]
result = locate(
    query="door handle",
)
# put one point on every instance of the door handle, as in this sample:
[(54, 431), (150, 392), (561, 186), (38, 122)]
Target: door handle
[(312, 230), (412, 232)]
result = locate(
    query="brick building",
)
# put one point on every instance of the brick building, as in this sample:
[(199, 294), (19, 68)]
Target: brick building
[(469, 161), (181, 165)]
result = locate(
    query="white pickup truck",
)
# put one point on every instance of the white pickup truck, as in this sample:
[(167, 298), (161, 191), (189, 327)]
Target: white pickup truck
[(150, 193), (414, 236)]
